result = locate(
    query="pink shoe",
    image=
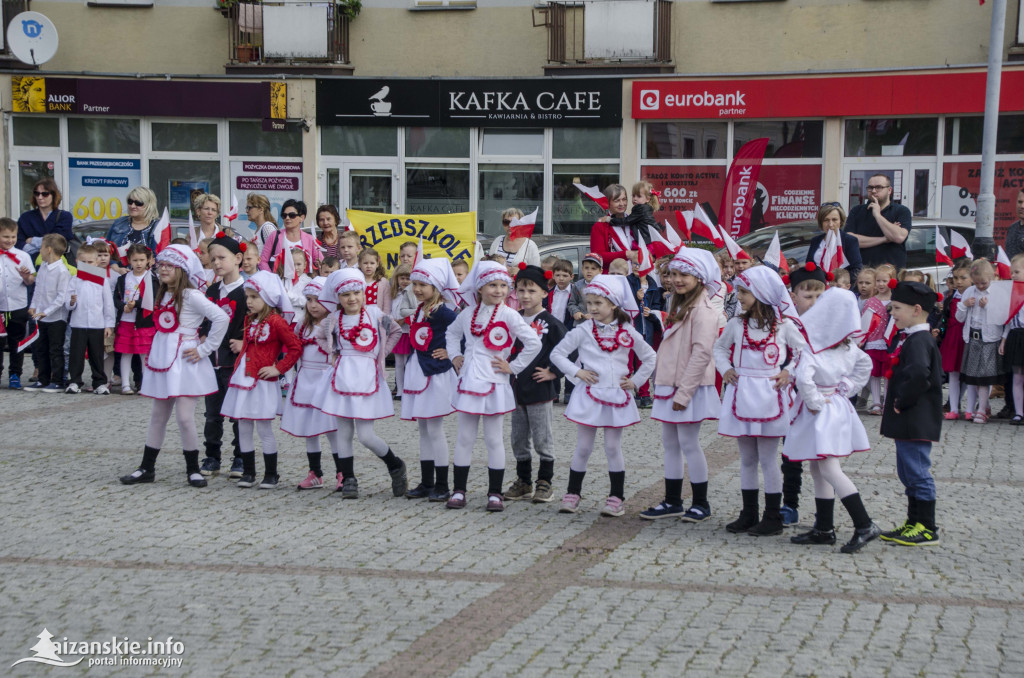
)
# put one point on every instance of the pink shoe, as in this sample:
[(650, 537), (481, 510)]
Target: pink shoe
[(570, 503), (341, 478), (951, 416), (613, 507), (968, 416), (312, 482), (980, 418)]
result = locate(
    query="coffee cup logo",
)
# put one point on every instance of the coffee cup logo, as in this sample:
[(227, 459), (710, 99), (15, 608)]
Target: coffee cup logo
[(380, 107)]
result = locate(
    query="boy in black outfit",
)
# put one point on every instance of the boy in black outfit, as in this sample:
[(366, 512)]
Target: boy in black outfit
[(535, 389), (913, 411)]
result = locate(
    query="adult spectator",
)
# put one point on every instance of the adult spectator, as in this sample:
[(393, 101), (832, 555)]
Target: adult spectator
[(831, 217), (327, 218), (138, 225), (257, 208), (293, 213), (619, 235), (514, 250), (207, 206), (44, 218), (880, 225), (1014, 244)]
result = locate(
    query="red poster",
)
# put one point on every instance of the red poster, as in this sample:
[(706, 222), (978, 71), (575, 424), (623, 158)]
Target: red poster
[(734, 213), (961, 182)]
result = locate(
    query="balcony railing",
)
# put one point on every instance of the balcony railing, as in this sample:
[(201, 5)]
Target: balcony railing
[(288, 33), (568, 43)]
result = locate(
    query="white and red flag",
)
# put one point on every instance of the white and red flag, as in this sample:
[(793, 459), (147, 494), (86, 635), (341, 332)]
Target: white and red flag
[(940, 249), (830, 255), (594, 193), (672, 243), (735, 251), (645, 262), (146, 296), (1002, 264), (522, 227), (684, 219), (93, 274), (702, 225), (193, 233), (773, 256), (1005, 299), (959, 248), (232, 213), (162, 231), (31, 334)]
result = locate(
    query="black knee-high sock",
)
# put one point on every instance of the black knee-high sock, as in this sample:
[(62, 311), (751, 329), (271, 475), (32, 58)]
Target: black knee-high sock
[(546, 471), (460, 477), (346, 467), (440, 477), (618, 484), (926, 514), (772, 504), (149, 455), (912, 510), (427, 473), (823, 517), (337, 463), (191, 461), (495, 479), (750, 498), (249, 463), (524, 470), (855, 507), (674, 491), (391, 460), (700, 494), (314, 463), (270, 464), (792, 481), (575, 482)]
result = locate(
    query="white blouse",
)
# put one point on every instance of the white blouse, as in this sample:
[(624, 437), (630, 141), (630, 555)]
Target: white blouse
[(477, 356), (843, 369), (610, 366)]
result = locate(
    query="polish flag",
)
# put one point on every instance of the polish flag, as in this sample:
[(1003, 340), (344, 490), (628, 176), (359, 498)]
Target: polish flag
[(162, 231), (146, 295), (869, 322), (595, 194), (122, 253), (1005, 300), (702, 225), (645, 263), (31, 334), (668, 244), (830, 255), (940, 249), (890, 331), (958, 246), (287, 265), (1002, 264), (522, 227), (735, 251), (773, 257), (419, 253), (685, 220), (233, 212), (193, 235), (93, 274)]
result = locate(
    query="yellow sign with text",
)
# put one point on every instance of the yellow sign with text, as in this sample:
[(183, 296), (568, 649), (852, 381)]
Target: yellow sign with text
[(444, 235)]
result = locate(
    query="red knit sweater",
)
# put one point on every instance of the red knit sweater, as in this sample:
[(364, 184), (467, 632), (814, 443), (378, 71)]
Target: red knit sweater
[(271, 337)]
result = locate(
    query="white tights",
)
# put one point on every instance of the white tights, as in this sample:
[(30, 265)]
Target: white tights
[(494, 439), (977, 398), (829, 479), (313, 443), (362, 429), (683, 440), (585, 436), (875, 383), (265, 427), (400, 372), (764, 451), (185, 411), (954, 392), (433, 443), (126, 368)]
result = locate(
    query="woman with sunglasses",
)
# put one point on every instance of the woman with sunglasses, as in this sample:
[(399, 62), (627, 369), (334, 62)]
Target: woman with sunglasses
[(137, 226), (44, 217), (257, 208), (514, 250), (831, 217), (293, 213)]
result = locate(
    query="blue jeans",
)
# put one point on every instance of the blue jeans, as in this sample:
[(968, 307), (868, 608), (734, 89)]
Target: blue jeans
[(913, 465)]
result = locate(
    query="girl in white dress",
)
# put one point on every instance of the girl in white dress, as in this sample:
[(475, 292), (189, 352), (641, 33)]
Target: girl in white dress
[(176, 373), (755, 354), (429, 378), (826, 428), (602, 397), (355, 389), (254, 392), (483, 391)]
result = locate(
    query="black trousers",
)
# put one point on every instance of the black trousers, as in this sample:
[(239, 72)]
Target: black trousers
[(51, 352), (83, 340), (213, 430), (791, 482), (15, 321)]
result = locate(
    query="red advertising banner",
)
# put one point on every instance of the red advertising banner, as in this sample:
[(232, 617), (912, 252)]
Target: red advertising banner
[(738, 197), (783, 193), (830, 96), (961, 182)]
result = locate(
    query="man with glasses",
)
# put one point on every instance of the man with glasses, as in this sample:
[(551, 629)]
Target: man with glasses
[(880, 225)]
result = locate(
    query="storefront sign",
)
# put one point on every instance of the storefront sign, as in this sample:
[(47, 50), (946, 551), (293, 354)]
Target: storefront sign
[(181, 194), (470, 103), (834, 96), (961, 182), (444, 235), (278, 180), (98, 187)]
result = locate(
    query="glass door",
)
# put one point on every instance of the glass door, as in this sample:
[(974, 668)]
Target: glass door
[(26, 174), (912, 184), (370, 187)]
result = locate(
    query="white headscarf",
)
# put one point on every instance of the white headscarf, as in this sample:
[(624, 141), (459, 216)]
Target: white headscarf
[(313, 287), (182, 257), (700, 264), (439, 274), (342, 280), (271, 290), (767, 287), (833, 318), (616, 289), (483, 272)]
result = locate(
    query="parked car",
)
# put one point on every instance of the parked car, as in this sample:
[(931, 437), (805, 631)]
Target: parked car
[(572, 248)]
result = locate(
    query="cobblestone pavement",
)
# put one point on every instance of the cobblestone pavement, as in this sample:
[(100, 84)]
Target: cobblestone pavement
[(283, 582)]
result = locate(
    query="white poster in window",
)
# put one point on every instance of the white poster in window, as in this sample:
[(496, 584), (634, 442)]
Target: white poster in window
[(98, 187), (618, 29), (278, 180)]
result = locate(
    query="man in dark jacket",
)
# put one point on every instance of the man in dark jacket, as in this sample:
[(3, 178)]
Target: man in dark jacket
[(913, 411), (880, 225)]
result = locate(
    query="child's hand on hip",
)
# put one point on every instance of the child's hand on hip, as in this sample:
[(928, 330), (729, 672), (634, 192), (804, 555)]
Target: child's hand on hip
[(269, 372), (587, 376)]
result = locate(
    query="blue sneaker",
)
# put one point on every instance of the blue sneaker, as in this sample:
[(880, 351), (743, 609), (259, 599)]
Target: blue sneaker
[(35, 386), (14, 382), (790, 516), (662, 510), (696, 514), (236, 468)]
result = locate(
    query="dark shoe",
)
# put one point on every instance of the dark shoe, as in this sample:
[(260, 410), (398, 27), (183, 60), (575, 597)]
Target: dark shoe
[(421, 491), (210, 467), (35, 386), (743, 523), (1017, 420), (645, 402), (440, 494), (14, 382), (399, 481), (815, 536), (663, 510), (270, 482), (138, 476), (236, 468), (246, 480), (918, 535), (790, 516), (696, 514), (1005, 413), (457, 501), (495, 503), (861, 537), (350, 488), (891, 535), (196, 480), (520, 489), (542, 492), (770, 525)]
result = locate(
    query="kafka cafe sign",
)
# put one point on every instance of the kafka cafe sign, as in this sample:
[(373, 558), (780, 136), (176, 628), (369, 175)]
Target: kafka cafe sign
[(536, 102)]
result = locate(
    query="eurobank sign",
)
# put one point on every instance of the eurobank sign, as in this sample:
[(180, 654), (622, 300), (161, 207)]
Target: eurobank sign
[(824, 96)]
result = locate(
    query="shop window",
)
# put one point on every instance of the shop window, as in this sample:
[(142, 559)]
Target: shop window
[(248, 138), (513, 142), (35, 131), (103, 135), (436, 189), (504, 186), (786, 138), (573, 212), (437, 142), (964, 135), (891, 136), (184, 137), (362, 141), (576, 142), (173, 180), (684, 140)]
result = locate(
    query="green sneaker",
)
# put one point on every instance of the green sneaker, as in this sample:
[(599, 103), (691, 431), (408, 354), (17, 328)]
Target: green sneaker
[(521, 489), (891, 535), (918, 535)]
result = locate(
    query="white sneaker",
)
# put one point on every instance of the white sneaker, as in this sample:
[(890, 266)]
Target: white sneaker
[(127, 390), (73, 388), (102, 389)]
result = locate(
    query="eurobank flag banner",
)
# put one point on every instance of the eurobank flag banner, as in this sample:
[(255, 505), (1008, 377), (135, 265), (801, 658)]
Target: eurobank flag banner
[(740, 187), (444, 235)]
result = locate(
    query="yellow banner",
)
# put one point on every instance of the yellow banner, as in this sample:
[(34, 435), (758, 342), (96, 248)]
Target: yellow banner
[(444, 235)]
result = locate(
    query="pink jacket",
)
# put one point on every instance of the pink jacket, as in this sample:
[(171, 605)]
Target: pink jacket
[(307, 243), (685, 357)]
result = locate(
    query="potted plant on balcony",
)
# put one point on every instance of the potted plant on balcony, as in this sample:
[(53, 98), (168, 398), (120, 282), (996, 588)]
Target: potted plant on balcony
[(349, 8), (245, 53)]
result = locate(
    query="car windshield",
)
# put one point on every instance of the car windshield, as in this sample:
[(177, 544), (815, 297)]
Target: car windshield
[(794, 239)]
